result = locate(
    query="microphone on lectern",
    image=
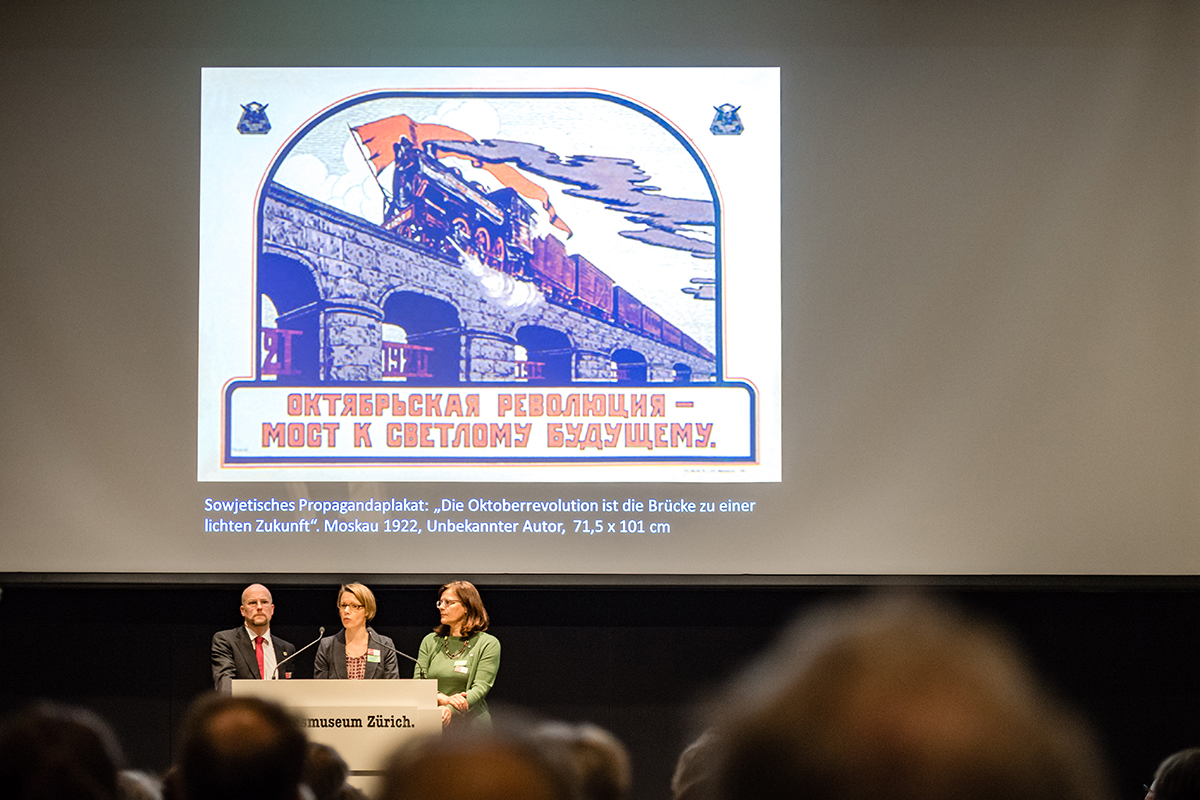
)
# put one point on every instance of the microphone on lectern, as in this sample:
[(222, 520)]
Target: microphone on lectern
[(420, 669), (275, 674)]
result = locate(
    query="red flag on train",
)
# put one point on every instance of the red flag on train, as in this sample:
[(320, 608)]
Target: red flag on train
[(379, 136)]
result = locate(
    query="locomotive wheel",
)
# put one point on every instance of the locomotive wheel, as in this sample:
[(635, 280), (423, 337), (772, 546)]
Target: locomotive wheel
[(482, 244)]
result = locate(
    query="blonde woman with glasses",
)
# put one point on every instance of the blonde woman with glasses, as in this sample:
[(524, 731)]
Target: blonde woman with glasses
[(356, 652)]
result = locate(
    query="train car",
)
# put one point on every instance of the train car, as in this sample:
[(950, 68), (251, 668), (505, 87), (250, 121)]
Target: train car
[(672, 335), (627, 310), (594, 289), (689, 345), (652, 323), (552, 270)]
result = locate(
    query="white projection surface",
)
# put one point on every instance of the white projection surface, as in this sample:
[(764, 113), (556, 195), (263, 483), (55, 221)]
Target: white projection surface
[(544, 293)]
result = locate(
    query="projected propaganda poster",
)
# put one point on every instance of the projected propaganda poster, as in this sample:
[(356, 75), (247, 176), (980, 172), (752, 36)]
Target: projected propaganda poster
[(490, 275)]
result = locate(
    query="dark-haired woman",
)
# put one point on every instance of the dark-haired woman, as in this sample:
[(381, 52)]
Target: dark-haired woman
[(461, 656)]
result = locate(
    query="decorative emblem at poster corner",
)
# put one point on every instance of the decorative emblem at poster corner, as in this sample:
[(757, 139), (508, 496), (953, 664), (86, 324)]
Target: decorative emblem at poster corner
[(487, 279), (254, 119), (726, 122)]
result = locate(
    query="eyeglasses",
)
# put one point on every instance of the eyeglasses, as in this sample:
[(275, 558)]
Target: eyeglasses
[(445, 603), (350, 607)]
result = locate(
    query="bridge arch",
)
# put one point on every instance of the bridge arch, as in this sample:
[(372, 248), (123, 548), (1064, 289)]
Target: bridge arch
[(290, 346), (631, 366), (551, 349), (432, 322)]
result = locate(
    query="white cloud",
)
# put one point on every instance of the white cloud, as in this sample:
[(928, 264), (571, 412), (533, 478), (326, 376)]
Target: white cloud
[(476, 117), (355, 191)]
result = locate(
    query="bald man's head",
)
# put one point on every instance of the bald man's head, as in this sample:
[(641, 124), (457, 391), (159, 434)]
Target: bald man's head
[(257, 608)]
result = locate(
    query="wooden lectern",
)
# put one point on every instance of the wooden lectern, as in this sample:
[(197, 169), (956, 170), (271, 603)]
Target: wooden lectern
[(363, 720)]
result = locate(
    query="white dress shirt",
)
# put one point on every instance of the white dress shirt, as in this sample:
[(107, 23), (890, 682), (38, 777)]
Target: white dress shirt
[(268, 652)]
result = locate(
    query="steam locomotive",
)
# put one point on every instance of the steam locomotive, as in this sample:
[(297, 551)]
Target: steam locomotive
[(437, 207)]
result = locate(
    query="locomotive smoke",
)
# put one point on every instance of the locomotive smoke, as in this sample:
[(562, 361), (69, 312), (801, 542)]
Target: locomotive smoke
[(515, 297)]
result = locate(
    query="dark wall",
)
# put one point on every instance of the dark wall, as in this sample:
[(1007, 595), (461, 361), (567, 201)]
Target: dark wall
[(633, 660)]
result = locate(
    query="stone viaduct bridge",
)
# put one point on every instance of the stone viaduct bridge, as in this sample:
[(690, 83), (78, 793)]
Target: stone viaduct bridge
[(336, 279)]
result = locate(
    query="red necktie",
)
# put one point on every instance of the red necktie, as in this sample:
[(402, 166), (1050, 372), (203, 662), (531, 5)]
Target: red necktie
[(259, 655)]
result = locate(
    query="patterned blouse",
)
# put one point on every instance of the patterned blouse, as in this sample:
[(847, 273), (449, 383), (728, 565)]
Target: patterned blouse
[(356, 668)]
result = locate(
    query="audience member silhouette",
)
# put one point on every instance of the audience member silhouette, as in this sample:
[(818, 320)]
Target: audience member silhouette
[(240, 748), (1177, 777), (52, 752), (475, 764), (597, 761), (900, 699), (325, 773), (137, 785), (697, 768)]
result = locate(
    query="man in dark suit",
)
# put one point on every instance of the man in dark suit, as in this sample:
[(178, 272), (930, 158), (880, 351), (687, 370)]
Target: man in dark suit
[(249, 651)]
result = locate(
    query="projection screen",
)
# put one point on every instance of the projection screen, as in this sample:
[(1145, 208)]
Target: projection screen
[(841, 290)]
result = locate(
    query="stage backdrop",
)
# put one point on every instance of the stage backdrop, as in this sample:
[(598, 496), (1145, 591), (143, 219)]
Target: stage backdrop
[(635, 661)]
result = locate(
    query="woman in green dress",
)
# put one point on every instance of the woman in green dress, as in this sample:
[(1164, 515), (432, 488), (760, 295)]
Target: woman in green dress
[(461, 656)]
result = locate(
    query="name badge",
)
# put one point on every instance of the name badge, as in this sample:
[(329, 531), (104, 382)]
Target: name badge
[(460, 662), (460, 668), (373, 656)]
